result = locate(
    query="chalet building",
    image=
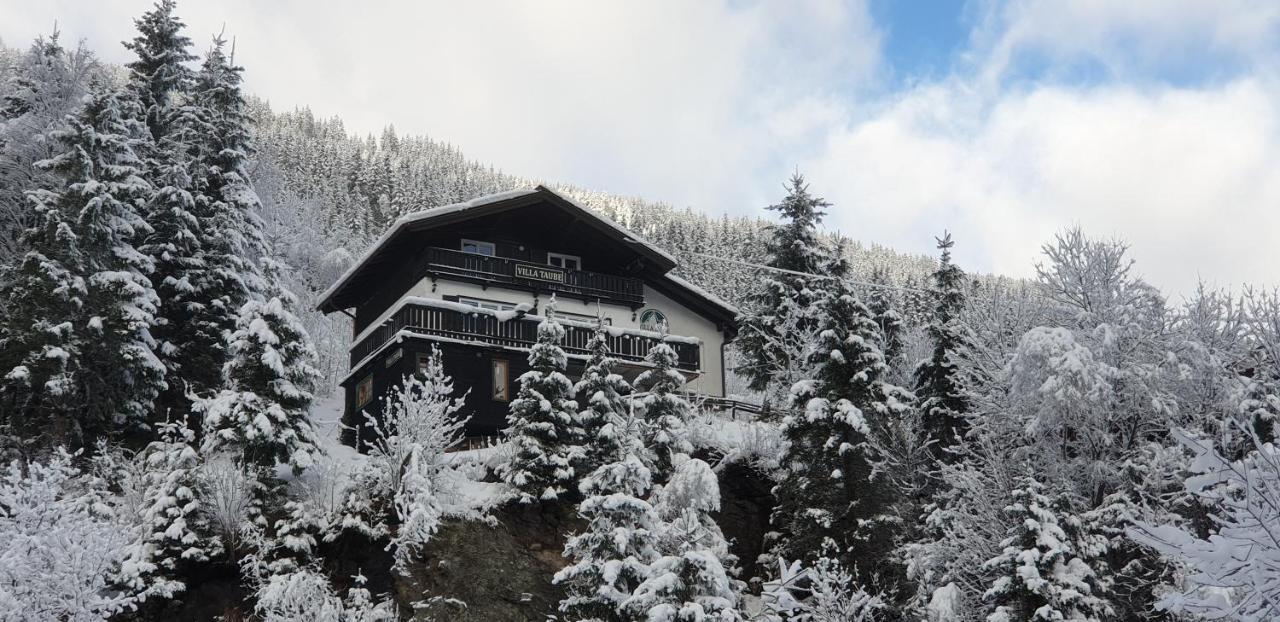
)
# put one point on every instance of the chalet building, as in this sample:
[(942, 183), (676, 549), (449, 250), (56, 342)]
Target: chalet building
[(472, 278)]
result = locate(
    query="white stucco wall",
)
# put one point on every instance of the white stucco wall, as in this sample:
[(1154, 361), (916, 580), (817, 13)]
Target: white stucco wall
[(681, 320)]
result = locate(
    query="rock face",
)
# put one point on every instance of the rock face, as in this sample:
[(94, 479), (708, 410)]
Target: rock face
[(501, 571), (746, 501)]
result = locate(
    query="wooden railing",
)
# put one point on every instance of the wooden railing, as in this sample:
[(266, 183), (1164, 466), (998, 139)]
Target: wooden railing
[(514, 272), (483, 328)]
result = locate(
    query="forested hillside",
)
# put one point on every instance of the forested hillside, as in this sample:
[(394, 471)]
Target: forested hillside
[(931, 445)]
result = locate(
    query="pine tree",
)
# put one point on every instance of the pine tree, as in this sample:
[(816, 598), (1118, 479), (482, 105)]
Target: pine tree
[(77, 351), (611, 556), (827, 492), (173, 527), (600, 391), (666, 412), (226, 204), (941, 398), (542, 421), (263, 414), (159, 76), (1039, 576), (689, 587), (887, 318), (780, 309)]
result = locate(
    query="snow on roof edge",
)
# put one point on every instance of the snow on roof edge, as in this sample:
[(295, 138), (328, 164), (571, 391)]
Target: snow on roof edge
[(617, 227), (415, 216)]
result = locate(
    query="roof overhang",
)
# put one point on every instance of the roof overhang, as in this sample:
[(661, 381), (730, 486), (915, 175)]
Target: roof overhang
[(339, 295)]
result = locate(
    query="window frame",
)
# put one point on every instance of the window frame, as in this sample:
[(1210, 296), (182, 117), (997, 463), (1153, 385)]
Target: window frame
[(367, 381), (493, 248), (665, 320), (577, 259), (480, 303), (505, 366)]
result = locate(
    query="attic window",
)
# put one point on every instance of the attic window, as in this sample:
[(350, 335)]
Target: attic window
[(477, 247), (568, 262)]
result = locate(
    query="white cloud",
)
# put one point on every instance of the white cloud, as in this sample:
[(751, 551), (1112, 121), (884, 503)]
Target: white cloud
[(713, 104), (1190, 177)]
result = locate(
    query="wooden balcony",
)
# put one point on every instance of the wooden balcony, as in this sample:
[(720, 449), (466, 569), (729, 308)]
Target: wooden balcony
[(485, 329), (535, 276)]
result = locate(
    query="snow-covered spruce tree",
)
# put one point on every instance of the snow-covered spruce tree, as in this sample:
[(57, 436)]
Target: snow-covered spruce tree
[(611, 557), (174, 531), (226, 205), (600, 394), (1039, 576), (263, 414), (159, 75), (59, 554), (542, 419), (666, 412), (780, 309), (892, 327), (77, 350), (826, 491), (689, 587), (940, 397)]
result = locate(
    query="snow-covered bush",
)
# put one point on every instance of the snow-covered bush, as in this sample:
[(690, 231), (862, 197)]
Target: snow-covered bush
[(306, 594), (825, 592), (58, 558), (689, 587), (230, 496)]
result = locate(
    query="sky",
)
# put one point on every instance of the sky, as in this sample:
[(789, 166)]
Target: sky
[(1154, 121)]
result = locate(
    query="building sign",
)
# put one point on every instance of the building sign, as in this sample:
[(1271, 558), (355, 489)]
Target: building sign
[(395, 356), (540, 273)]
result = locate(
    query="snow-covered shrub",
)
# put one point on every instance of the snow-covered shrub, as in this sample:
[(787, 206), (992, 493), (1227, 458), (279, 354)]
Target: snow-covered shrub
[(418, 509), (306, 594), (58, 558), (230, 497), (1234, 574), (419, 416), (689, 587), (684, 506)]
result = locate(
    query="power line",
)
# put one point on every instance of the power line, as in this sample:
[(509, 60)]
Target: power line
[(810, 275)]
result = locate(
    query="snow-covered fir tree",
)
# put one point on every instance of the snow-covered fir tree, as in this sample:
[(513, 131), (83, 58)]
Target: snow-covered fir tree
[(543, 421), (263, 414), (779, 313), (826, 491), (600, 394), (611, 556), (174, 532), (937, 384), (684, 506), (226, 203), (889, 319), (666, 412), (159, 75), (691, 586), (77, 347), (1039, 576)]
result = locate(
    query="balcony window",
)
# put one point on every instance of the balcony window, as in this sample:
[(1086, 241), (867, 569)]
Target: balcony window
[(568, 262), (501, 381), (476, 247), (364, 392), (492, 305)]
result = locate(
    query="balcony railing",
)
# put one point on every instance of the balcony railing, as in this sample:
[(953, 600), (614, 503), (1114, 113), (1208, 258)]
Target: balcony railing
[(486, 329), (502, 270)]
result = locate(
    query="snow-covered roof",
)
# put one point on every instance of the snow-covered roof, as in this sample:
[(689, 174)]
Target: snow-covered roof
[(706, 295), (426, 219)]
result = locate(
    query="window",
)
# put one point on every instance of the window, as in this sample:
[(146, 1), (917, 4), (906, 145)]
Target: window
[(424, 362), (364, 391), (581, 317), (568, 262), (501, 381), (477, 247), (492, 305), (653, 319)]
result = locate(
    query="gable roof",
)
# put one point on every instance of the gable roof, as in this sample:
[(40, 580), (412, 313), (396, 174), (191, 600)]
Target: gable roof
[(337, 296)]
